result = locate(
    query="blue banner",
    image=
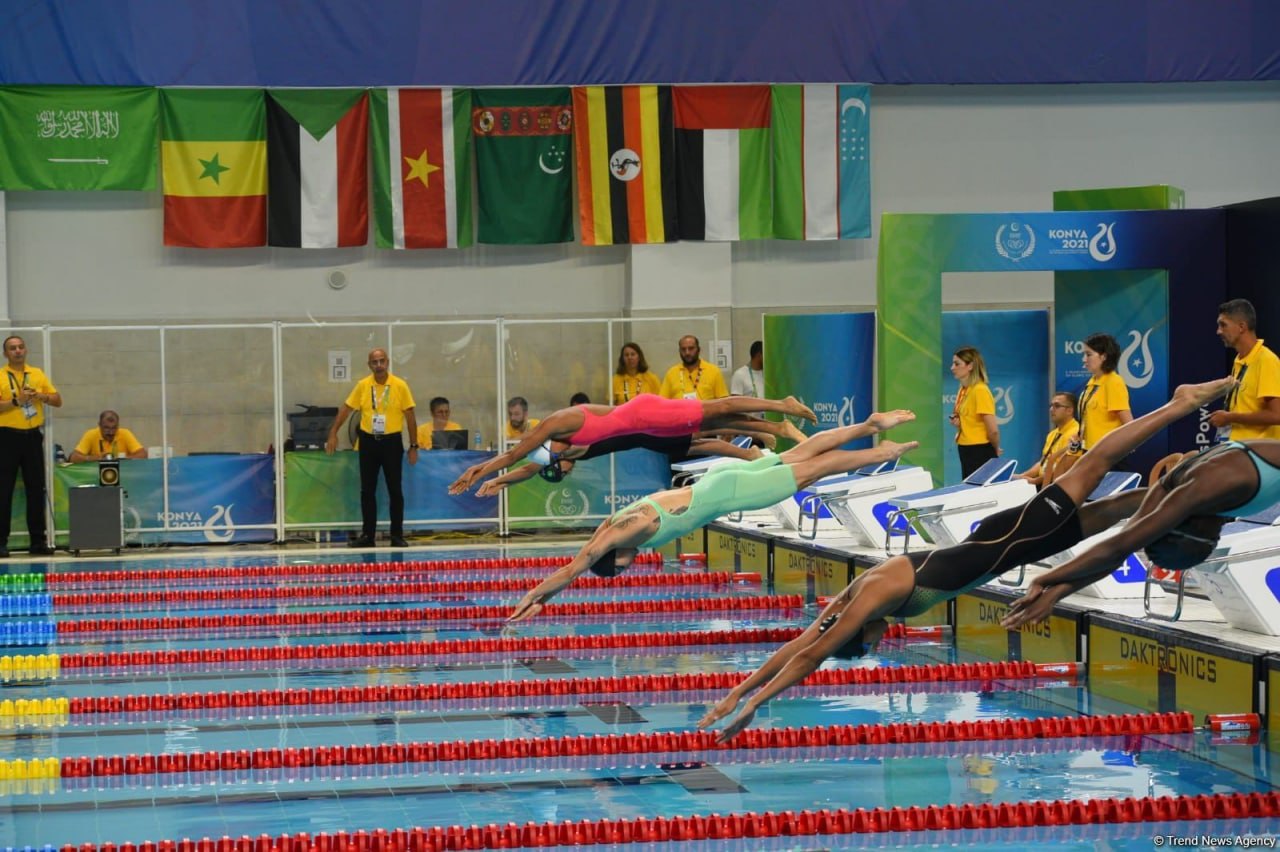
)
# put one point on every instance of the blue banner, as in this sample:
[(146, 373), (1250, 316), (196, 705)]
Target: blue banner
[(825, 361), (1015, 347)]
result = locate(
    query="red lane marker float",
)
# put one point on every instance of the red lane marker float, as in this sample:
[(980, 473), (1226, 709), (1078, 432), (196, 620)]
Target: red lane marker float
[(204, 623), (1223, 806), (269, 596), (641, 743), (581, 686), (74, 578)]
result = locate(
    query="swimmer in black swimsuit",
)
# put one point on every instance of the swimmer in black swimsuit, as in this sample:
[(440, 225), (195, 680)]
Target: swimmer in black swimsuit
[(1053, 520), (1177, 524)]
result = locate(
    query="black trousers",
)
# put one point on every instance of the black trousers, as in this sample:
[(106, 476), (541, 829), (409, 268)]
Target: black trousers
[(974, 456), (381, 453), (23, 449)]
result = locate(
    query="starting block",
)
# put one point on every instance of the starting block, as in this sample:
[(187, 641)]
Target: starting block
[(947, 515), (695, 469), (1242, 577), (860, 501)]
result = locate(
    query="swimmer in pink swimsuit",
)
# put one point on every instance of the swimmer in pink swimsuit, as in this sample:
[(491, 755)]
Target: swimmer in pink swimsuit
[(646, 414)]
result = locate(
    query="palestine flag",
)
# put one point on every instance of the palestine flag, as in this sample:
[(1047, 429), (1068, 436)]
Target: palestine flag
[(421, 167), (78, 137), (522, 165), (317, 168), (214, 160), (722, 158), (622, 138)]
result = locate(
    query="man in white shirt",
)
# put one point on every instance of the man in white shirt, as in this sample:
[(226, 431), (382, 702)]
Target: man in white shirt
[(748, 380)]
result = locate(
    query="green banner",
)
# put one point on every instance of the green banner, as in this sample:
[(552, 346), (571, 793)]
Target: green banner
[(78, 137)]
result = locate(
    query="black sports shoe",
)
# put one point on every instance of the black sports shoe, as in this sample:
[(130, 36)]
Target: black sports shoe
[(361, 541), (398, 541), (41, 550)]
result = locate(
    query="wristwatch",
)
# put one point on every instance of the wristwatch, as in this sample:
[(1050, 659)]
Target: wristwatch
[(413, 446)]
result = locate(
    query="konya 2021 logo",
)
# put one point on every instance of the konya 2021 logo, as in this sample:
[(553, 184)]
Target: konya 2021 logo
[(1101, 245)]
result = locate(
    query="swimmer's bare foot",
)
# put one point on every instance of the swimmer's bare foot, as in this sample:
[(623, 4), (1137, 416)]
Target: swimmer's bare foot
[(894, 450), (1194, 396), (796, 408), (792, 432), (768, 440), (755, 452)]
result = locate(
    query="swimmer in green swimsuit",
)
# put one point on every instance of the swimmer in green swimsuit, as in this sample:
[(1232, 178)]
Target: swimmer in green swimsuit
[(732, 487), (1055, 518)]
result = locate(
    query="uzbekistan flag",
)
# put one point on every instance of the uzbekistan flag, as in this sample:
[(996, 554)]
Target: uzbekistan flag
[(318, 169), (422, 168), (625, 151), (214, 162)]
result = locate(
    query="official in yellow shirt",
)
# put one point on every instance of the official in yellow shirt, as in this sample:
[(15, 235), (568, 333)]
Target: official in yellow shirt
[(439, 422), (108, 439), (1062, 407), (519, 423), (632, 377), (1252, 408), (386, 405), (974, 415), (693, 378), (24, 392), (1104, 402)]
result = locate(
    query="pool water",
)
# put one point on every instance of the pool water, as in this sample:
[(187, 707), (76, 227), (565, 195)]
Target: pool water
[(287, 799)]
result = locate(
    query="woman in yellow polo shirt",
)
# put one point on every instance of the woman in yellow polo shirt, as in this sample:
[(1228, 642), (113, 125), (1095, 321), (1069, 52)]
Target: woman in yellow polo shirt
[(1104, 402), (974, 415), (632, 377)]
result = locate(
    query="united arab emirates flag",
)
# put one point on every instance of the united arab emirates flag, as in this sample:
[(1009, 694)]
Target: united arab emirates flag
[(421, 167), (78, 137), (317, 168), (625, 150), (525, 186), (722, 162), (213, 154)]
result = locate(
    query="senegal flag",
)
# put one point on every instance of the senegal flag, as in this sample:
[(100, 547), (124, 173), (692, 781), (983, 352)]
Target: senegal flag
[(214, 161)]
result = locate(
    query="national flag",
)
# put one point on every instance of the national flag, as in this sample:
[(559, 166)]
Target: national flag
[(625, 148), (214, 159), (722, 158), (522, 164), (821, 162), (78, 137), (421, 167), (317, 168)]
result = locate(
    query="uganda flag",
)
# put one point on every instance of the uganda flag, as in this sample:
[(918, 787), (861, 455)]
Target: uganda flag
[(722, 158), (214, 162), (623, 143), (421, 167), (318, 168)]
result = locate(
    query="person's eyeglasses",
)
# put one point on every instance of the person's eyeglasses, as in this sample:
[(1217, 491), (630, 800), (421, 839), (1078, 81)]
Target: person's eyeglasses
[(1058, 405)]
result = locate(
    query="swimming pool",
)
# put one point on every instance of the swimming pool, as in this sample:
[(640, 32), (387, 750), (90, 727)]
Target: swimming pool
[(249, 696)]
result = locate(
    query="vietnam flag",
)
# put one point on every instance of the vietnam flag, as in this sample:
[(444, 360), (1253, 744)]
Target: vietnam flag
[(624, 147), (214, 163), (722, 149), (421, 167), (318, 168)]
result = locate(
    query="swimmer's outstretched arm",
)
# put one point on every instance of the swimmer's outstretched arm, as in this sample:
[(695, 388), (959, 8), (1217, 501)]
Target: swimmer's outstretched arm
[(511, 477)]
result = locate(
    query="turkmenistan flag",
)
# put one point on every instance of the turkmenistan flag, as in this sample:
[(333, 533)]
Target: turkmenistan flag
[(421, 167), (214, 158), (318, 167), (722, 162), (522, 164), (821, 162), (78, 137), (625, 149)]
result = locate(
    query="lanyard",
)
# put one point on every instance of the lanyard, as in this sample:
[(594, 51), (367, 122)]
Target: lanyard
[(1056, 438), (697, 378), (111, 446), (1084, 403), (626, 388), (373, 395), (13, 386), (752, 375), (1235, 391)]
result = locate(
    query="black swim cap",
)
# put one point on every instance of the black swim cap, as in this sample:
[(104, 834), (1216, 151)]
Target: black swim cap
[(607, 565), (551, 472), (1188, 544)]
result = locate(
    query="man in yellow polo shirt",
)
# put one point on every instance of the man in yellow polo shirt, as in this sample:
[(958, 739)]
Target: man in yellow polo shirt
[(519, 423), (386, 407), (439, 422), (24, 392), (1062, 418), (693, 378), (108, 440), (1252, 408)]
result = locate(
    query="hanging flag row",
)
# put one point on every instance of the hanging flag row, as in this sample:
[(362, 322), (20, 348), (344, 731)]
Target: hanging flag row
[(291, 167)]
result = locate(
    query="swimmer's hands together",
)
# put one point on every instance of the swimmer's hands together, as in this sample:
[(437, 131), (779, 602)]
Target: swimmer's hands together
[(1035, 605), (462, 483), (723, 708), (491, 488), (737, 726), (883, 420), (530, 605)]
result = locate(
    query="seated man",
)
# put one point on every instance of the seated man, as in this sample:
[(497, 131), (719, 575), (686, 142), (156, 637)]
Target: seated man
[(667, 515), (439, 421), (108, 440), (1055, 519), (518, 420), (1062, 417)]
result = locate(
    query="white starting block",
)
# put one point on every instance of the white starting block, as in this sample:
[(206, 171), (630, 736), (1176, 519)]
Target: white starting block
[(790, 513), (860, 501), (1242, 577), (947, 515), (1127, 581), (697, 468)]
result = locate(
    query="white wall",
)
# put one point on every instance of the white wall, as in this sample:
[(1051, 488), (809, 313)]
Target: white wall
[(98, 256)]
